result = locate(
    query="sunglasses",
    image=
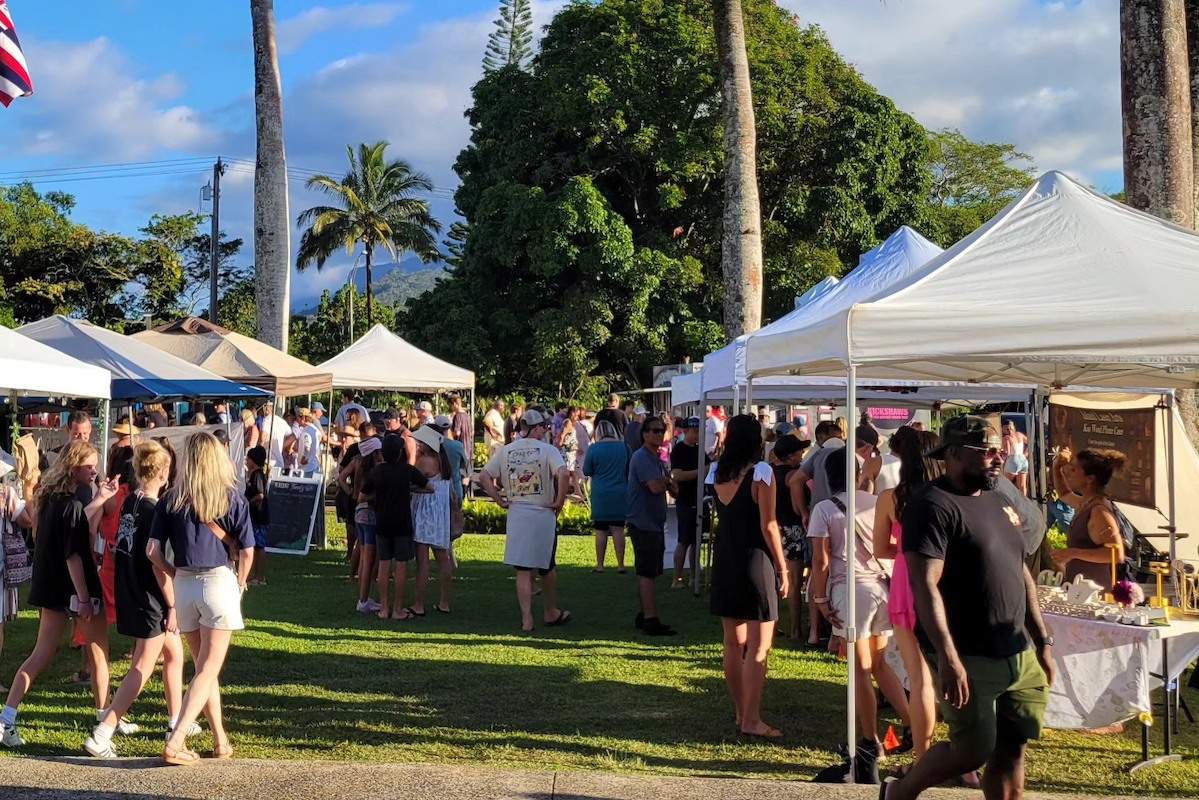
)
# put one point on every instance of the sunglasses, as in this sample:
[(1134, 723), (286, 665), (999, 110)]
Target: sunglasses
[(988, 451), (655, 430)]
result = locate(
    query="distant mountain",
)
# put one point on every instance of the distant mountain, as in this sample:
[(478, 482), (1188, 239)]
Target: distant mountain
[(394, 283)]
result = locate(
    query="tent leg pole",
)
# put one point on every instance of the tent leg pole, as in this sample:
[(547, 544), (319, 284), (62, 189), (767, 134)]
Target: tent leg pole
[(697, 561), (749, 398), (851, 634), (105, 408), (1034, 477), (1170, 401)]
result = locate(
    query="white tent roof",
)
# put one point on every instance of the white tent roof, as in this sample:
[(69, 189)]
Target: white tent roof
[(137, 370), (29, 367), (816, 292), (381, 360), (901, 254), (1064, 286)]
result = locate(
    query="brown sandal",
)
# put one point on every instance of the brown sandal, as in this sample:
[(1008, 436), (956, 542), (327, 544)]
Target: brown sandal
[(179, 758), (222, 751)]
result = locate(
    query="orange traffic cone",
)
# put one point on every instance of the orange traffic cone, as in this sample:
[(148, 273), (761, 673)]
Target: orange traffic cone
[(890, 742)]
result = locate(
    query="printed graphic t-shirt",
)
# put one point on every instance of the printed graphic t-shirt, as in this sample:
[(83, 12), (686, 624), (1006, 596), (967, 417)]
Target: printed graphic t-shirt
[(526, 469)]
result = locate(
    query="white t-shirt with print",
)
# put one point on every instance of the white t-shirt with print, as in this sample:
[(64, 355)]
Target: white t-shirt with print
[(526, 470)]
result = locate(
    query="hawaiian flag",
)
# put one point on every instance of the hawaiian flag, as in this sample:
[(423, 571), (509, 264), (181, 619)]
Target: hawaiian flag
[(14, 75)]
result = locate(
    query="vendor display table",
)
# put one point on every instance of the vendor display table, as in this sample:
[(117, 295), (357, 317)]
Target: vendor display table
[(1105, 672)]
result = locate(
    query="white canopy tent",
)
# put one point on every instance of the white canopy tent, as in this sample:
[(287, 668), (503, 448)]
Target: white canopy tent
[(32, 368), (1063, 286), (816, 292), (381, 360), (903, 253)]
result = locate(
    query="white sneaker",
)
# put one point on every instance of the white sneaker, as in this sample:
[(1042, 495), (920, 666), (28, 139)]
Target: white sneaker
[(127, 728), (367, 606), (99, 748), (193, 730), (9, 736)]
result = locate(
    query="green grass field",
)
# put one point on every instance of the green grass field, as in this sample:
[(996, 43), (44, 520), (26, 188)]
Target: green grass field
[(310, 678)]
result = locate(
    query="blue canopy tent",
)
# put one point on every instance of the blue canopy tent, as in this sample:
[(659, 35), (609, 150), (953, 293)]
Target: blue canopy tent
[(140, 372)]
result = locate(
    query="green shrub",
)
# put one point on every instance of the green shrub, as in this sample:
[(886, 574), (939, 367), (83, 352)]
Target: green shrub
[(480, 456), (488, 518)]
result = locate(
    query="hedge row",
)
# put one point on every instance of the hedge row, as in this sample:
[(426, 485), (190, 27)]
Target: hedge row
[(486, 517)]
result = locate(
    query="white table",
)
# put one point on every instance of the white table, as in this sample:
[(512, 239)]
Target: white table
[(1105, 672)]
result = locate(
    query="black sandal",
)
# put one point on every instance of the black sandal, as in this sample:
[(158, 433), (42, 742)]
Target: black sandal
[(563, 618)]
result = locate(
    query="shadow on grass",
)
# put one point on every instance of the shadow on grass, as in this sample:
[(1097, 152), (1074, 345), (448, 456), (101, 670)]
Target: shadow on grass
[(419, 702)]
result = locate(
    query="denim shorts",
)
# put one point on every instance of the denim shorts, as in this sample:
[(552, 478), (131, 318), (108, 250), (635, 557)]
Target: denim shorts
[(367, 534)]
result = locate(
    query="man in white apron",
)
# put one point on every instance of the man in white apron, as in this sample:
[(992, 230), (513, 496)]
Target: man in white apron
[(534, 482)]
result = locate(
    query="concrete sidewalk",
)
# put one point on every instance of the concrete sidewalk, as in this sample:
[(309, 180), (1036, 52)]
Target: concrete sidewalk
[(144, 779)]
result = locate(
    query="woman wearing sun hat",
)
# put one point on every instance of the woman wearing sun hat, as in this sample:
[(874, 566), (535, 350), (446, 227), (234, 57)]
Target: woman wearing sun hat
[(431, 518)]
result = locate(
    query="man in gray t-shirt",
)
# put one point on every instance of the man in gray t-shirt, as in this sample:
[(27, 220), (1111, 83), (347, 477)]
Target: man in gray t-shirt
[(645, 515), (828, 439)]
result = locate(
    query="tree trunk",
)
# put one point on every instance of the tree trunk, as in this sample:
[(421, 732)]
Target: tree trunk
[(1160, 94), (272, 223), (370, 288), (741, 241), (1156, 99)]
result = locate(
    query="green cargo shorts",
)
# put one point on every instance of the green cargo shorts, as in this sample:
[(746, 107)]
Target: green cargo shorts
[(1008, 697)]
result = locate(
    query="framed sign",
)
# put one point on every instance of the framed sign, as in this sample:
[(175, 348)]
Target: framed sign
[(1131, 431), (293, 504)]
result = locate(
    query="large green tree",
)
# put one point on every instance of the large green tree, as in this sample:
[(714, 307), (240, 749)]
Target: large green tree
[(50, 264), (325, 333), (376, 207), (970, 183), (511, 43), (599, 169), (184, 290)]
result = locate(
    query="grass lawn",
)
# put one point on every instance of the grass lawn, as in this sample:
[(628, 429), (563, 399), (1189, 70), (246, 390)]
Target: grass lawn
[(310, 678)]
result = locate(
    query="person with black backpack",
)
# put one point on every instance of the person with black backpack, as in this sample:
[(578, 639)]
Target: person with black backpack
[(1095, 532)]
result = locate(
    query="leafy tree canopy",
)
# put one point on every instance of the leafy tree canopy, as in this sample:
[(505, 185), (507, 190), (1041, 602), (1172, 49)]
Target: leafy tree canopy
[(511, 43), (591, 191)]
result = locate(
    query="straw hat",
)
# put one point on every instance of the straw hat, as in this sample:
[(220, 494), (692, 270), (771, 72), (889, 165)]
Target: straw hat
[(125, 429)]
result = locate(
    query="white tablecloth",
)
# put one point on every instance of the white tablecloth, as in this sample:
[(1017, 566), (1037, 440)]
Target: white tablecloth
[(1103, 668)]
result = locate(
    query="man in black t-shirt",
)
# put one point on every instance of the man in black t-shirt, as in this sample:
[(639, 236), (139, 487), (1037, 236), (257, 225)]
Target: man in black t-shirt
[(613, 414), (685, 469), (978, 617)]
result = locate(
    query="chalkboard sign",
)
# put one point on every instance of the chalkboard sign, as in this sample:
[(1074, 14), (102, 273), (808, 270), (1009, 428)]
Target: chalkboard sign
[(293, 503)]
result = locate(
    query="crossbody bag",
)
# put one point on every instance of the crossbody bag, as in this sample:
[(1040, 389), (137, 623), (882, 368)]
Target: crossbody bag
[(866, 538)]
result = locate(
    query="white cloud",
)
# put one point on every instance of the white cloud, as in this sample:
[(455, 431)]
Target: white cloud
[(293, 33), (1043, 76), (90, 102)]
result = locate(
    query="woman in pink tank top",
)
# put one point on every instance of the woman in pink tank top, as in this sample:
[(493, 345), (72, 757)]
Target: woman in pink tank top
[(916, 469)]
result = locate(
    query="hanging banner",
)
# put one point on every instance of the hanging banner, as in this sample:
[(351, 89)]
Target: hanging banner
[(1131, 431)]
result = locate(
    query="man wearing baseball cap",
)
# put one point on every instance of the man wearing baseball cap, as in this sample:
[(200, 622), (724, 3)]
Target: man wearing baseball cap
[(529, 478), (456, 452), (979, 621), (424, 411)]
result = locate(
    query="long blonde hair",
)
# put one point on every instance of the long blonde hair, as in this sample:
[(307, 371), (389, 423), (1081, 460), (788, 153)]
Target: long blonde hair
[(207, 478), (57, 479)]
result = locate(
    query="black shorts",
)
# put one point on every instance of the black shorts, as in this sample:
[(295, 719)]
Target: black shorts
[(553, 563), (395, 548), (685, 516), (140, 623), (606, 526), (649, 551)]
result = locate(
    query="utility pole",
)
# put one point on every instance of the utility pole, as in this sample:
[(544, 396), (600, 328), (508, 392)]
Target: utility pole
[(218, 170)]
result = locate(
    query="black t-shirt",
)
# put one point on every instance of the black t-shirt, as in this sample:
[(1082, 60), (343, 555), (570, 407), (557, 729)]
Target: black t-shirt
[(784, 510), (978, 537), (62, 531), (391, 485), (140, 604), (616, 417), (685, 456), (260, 515)]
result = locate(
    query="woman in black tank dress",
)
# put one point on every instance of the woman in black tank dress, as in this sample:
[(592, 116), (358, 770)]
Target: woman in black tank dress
[(748, 570)]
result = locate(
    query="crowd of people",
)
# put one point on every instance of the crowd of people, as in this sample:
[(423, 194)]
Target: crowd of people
[(939, 540)]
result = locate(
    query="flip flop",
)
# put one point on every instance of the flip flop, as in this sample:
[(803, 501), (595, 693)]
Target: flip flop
[(563, 618), (441, 610), (597, 570), (405, 615), (414, 612), (180, 758), (222, 751)]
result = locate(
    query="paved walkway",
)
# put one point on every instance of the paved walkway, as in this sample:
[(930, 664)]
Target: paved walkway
[(239, 779)]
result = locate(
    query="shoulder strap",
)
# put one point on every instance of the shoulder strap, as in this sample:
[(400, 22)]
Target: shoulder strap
[(865, 537), (220, 533)]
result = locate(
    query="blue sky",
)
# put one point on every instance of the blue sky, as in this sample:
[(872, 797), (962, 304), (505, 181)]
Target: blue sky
[(134, 81)]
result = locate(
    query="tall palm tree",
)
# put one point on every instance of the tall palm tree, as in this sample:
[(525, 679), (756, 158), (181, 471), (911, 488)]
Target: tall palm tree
[(741, 241), (272, 231), (374, 208)]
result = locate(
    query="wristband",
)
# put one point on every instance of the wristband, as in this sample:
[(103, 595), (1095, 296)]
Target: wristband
[(819, 600)]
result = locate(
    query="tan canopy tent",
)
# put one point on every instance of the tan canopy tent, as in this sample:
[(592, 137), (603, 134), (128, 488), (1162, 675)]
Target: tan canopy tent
[(238, 358)]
